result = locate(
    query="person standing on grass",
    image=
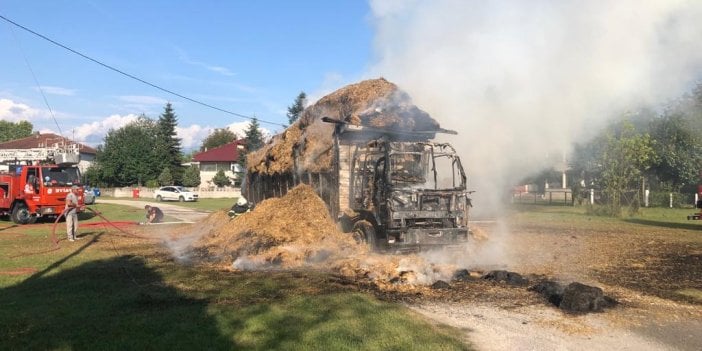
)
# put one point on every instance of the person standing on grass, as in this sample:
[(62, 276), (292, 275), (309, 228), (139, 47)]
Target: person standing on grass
[(71, 214), (153, 214)]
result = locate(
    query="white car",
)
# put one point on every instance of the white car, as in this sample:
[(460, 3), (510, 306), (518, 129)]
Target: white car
[(175, 193)]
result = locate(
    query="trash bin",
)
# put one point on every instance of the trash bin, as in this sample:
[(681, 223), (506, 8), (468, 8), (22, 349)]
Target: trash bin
[(135, 193)]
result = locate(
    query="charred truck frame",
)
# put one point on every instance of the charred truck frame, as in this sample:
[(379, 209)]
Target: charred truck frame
[(395, 190)]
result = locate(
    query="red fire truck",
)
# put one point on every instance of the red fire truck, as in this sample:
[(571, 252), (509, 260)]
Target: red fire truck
[(35, 182)]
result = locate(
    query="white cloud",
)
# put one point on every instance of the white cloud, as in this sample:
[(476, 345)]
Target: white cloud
[(191, 136), (15, 111), (213, 68), (239, 128), (93, 133), (48, 89)]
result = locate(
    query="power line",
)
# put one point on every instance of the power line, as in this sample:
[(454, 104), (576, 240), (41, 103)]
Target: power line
[(133, 76)]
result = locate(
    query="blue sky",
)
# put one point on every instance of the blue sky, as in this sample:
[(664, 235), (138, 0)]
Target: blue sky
[(249, 57)]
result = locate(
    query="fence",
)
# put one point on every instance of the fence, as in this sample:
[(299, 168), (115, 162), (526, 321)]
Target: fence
[(564, 197), (148, 193)]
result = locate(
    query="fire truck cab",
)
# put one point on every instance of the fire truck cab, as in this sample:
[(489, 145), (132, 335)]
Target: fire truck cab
[(37, 188)]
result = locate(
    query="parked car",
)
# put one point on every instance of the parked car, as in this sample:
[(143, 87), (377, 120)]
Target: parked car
[(88, 197), (174, 193)]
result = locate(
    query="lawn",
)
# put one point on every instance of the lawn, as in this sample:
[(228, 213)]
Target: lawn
[(110, 291), (209, 204)]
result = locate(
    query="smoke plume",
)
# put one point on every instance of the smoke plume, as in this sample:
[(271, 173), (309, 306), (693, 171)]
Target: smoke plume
[(523, 79)]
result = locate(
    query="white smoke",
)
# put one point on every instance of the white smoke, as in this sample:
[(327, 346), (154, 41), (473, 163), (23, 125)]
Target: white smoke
[(522, 79)]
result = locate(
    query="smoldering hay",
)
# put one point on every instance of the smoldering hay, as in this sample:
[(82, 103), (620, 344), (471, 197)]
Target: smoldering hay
[(308, 142), (296, 231)]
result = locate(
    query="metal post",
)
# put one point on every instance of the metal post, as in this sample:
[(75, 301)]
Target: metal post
[(671, 200), (646, 194), (592, 196)]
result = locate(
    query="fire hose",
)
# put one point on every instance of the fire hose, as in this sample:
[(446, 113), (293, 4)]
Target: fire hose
[(55, 241)]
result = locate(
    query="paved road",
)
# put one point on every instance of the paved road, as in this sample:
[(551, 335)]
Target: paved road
[(182, 213)]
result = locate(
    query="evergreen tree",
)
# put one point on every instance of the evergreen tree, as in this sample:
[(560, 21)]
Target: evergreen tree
[(297, 107), (220, 179), (168, 144), (165, 178), (191, 177), (254, 140)]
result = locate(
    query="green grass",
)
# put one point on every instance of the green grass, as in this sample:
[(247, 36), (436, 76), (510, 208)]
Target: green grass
[(569, 216), (113, 293), (208, 204)]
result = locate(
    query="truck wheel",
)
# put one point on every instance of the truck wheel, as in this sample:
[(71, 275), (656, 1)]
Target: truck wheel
[(363, 232), (21, 215), (159, 198)]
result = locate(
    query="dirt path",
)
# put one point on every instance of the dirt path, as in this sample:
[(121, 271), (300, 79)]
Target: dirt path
[(182, 213), (627, 263)]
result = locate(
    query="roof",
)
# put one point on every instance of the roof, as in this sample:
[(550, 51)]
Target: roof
[(43, 140), (224, 153)]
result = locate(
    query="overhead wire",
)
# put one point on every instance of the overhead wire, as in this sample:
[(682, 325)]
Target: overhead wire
[(112, 68)]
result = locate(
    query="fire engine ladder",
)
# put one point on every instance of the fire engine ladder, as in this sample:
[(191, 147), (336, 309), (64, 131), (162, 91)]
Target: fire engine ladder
[(68, 154)]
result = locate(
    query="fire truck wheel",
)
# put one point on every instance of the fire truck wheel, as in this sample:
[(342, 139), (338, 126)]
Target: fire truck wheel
[(21, 215), (363, 232)]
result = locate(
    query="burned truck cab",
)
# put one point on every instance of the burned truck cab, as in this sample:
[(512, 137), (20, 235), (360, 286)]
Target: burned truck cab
[(406, 193), (426, 202)]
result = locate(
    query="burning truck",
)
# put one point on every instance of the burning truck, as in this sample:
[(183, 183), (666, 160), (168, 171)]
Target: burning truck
[(368, 153)]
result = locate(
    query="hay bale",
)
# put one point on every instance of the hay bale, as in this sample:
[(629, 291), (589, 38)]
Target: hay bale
[(290, 231), (308, 142)]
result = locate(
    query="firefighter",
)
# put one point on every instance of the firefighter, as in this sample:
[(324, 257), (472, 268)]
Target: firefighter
[(153, 214), (241, 206)]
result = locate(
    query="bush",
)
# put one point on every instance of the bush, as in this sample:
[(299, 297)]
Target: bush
[(152, 183)]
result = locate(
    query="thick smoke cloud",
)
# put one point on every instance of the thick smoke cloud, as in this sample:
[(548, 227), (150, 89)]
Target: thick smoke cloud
[(523, 79)]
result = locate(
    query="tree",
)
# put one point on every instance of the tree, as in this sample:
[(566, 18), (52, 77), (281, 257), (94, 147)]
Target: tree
[(678, 150), (191, 176), (168, 144), (254, 140), (219, 137), (220, 179), (128, 156), (165, 178), (624, 160), (297, 107), (11, 131)]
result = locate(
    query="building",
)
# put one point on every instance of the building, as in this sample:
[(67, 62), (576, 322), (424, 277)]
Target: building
[(225, 157), (40, 140)]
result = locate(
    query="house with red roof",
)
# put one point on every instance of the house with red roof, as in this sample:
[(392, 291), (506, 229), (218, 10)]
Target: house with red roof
[(40, 140), (225, 157)]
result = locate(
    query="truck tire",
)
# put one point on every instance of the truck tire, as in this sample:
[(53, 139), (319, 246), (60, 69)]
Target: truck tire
[(21, 215), (364, 232)]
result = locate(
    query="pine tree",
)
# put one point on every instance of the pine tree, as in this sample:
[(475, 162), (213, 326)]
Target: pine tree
[(297, 107), (254, 140), (168, 148), (191, 177), (220, 179)]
